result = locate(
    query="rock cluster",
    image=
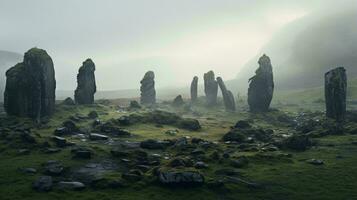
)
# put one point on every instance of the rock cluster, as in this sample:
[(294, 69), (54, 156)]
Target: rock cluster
[(194, 89), (228, 98), (30, 86), (261, 87), (148, 93), (86, 86), (211, 88), (335, 93)]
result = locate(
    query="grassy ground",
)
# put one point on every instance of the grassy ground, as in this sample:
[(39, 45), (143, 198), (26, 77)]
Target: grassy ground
[(283, 177)]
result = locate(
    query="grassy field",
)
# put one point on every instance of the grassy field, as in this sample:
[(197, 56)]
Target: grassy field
[(284, 174)]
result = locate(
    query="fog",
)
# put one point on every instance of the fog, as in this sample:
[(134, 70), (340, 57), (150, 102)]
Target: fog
[(176, 39)]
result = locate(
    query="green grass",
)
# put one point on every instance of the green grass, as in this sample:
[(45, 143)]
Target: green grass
[(284, 178)]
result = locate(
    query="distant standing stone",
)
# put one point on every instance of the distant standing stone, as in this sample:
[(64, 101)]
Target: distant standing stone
[(261, 87), (194, 89), (335, 93), (148, 93), (228, 98), (178, 101), (30, 86), (211, 88), (86, 86)]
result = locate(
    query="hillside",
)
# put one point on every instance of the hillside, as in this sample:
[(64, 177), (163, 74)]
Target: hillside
[(305, 49)]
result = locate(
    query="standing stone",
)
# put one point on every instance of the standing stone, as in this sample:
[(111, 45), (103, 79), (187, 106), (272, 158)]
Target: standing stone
[(228, 98), (148, 93), (194, 89), (261, 87), (86, 86), (335, 93), (178, 101), (211, 88), (30, 86)]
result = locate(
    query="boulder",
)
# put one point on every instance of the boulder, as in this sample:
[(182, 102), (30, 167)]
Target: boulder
[(261, 87), (53, 168), (86, 86), (178, 101), (148, 93), (298, 142), (228, 98), (134, 105), (194, 89), (92, 114), (153, 144), (189, 124), (43, 184), (30, 86), (211, 88), (181, 178), (68, 101), (335, 93)]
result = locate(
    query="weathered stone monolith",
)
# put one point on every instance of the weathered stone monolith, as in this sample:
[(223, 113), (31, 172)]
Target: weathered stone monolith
[(194, 89), (211, 88), (261, 87), (30, 86), (335, 93), (86, 86), (148, 93), (228, 98)]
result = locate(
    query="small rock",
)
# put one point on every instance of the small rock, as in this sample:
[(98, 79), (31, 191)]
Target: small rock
[(135, 105), (171, 132), (93, 114), (83, 154), (69, 102), (184, 178), (43, 184), (53, 168), (315, 162), (63, 185), (60, 141), (96, 136), (153, 144), (242, 124), (29, 170), (201, 165)]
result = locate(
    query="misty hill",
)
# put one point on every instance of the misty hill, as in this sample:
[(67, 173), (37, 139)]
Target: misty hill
[(7, 60), (305, 49)]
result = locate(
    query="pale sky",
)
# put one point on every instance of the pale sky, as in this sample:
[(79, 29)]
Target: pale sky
[(178, 39)]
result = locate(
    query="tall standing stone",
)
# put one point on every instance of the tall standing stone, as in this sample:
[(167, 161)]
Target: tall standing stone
[(228, 98), (335, 93), (30, 86), (211, 88), (86, 87), (148, 93), (194, 89), (261, 87)]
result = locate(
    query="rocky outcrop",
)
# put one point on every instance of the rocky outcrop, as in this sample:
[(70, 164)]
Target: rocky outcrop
[(30, 86), (86, 86), (148, 93), (194, 89), (228, 98), (335, 93), (261, 87), (211, 88)]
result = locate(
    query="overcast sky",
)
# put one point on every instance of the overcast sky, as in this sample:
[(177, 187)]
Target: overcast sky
[(176, 38)]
